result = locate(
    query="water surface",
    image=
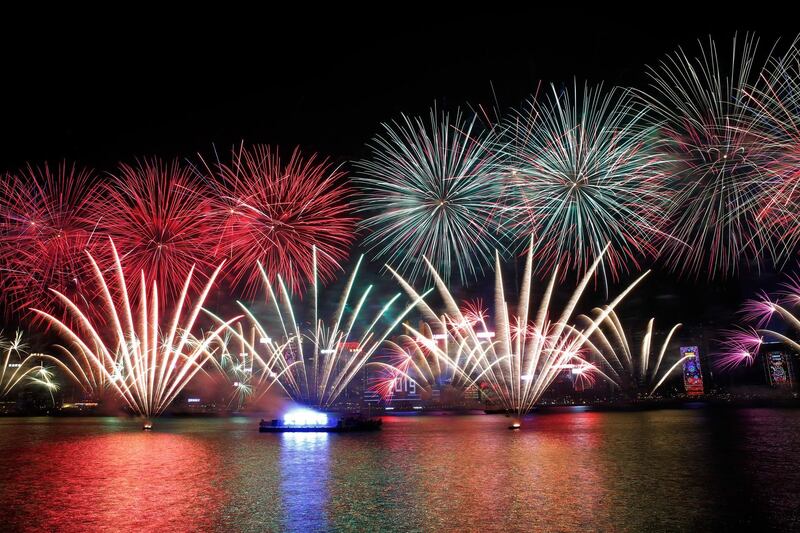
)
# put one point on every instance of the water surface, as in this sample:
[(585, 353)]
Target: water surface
[(671, 470)]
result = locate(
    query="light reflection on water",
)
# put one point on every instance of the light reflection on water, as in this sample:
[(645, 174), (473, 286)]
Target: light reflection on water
[(304, 481), (686, 470)]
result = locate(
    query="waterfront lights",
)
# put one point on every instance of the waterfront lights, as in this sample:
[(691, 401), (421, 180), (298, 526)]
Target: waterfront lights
[(305, 417)]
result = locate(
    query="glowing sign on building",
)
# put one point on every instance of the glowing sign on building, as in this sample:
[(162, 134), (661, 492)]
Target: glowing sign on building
[(404, 384), (778, 369), (692, 373)]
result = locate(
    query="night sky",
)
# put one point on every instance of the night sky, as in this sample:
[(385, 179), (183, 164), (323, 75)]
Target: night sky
[(177, 84)]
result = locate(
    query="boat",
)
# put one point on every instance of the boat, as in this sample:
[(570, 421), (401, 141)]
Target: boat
[(343, 425)]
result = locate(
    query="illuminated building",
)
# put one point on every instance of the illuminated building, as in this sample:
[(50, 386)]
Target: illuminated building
[(692, 372), (777, 365)]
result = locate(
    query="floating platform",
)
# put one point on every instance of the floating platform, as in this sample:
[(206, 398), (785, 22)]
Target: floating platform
[(344, 425)]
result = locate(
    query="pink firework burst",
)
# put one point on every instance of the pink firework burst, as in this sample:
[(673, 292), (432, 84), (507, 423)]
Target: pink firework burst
[(158, 217), (759, 310), (739, 347), (271, 211), (45, 228), (791, 290)]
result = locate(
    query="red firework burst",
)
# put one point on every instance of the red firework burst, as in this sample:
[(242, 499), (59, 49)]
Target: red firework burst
[(273, 212), (158, 217), (45, 228)]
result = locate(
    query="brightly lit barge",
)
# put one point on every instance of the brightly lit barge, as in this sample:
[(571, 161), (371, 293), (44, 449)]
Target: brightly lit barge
[(307, 421)]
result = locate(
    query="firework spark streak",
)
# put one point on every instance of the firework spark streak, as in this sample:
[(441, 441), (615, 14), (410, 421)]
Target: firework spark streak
[(314, 366), (158, 216), (719, 160), (518, 363), (759, 310), (619, 361), (582, 171), (45, 227), (739, 347), (407, 359), (241, 362), (273, 211), (742, 345), (385, 383), (147, 359), (22, 368), (784, 307), (776, 99), (430, 188)]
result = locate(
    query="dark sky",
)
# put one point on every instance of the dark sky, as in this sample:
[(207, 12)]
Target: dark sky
[(139, 84), (172, 84)]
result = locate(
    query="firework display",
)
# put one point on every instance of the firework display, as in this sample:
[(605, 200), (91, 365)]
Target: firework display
[(146, 358), (21, 367), (583, 171), (431, 356), (526, 351), (314, 365), (719, 161), (273, 211), (775, 102), (431, 192), (770, 318), (158, 216), (395, 376), (631, 372), (738, 347), (237, 367), (45, 227), (472, 269), (697, 172)]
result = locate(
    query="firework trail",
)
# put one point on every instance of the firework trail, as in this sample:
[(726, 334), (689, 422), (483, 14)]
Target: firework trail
[(584, 375), (785, 309), (738, 347), (158, 215), (582, 171), (389, 375), (273, 211), (759, 310), (431, 192), (631, 372), (776, 101), (719, 160), (405, 358), (521, 357), (241, 363), (763, 315), (45, 228), (145, 357), (314, 365), (20, 368)]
